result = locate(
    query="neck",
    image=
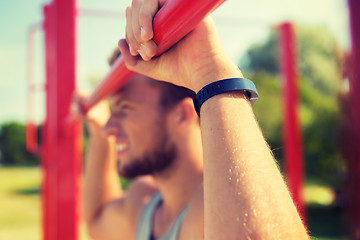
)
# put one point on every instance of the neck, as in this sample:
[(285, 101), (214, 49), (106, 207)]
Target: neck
[(180, 182)]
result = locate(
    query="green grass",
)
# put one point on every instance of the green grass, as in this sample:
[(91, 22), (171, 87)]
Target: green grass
[(20, 208)]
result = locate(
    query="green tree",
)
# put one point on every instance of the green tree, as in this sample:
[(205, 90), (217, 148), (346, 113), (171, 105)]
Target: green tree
[(319, 81), (319, 58), (12, 146)]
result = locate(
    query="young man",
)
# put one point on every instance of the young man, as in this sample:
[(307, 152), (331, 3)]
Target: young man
[(216, 179), (154, 130)]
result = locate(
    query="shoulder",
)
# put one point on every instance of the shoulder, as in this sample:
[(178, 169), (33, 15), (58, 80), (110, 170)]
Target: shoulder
[(193, 224), (139, 193), (120, 216)]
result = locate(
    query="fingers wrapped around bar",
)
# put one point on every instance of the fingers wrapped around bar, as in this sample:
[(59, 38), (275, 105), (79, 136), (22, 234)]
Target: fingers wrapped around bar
[(139, 30)]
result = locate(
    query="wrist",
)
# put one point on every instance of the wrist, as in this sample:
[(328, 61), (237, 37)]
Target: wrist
[(215, 70), (94, 128)]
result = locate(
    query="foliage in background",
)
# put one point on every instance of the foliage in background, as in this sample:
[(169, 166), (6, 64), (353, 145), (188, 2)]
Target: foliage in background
[(12, 146), (319, 61)]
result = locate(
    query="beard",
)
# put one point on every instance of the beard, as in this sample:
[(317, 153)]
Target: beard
[(154, 161)]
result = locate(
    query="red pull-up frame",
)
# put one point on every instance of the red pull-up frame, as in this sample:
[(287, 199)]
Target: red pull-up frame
[(62, 149), (31, 127), (62, 139), (352, 118), (292, 137), (173, 21)]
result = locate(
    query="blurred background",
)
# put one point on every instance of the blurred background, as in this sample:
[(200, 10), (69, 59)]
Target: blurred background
[(248, 31)]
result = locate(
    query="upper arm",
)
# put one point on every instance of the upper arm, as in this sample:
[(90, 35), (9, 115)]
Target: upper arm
[(117, 219), (110, 222)]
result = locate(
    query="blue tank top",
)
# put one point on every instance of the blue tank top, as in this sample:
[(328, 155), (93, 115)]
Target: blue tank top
[(144, 226)]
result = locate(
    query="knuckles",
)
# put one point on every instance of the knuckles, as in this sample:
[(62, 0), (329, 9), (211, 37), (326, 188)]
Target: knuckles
[(136, 3), (128, 12)]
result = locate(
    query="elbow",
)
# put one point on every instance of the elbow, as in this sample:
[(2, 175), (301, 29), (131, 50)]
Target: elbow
[(92, 225), (91, 229)]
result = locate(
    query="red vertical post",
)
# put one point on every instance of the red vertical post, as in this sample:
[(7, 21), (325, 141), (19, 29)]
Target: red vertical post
[(353, 154), (31, 137), (292, 137), (31, 128), (62, 145)]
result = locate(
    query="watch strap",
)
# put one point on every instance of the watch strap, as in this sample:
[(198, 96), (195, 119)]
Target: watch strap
[(226, 85)]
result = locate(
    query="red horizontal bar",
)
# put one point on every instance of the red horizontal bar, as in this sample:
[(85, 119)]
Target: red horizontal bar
[(173, 21)]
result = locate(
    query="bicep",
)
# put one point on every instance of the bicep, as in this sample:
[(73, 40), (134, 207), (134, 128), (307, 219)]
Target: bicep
[(112, 222)]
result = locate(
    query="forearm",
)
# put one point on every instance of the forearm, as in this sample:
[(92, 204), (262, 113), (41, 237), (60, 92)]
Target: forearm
[(244, 192), (101, 178)]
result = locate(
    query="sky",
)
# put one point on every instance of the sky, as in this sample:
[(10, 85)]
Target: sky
[(240, 25)]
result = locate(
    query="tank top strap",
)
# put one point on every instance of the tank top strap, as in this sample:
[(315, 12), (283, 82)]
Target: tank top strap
[(174, 231), (144, 226)]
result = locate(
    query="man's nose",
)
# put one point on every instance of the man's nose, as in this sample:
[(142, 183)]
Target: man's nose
[(112, 127)]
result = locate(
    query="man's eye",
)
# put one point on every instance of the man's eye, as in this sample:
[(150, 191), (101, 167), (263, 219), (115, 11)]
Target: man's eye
[(124, 107)]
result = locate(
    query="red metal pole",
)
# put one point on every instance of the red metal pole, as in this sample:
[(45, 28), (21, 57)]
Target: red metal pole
[(62, 142), (31, 128), (31, 137), (353, 154), (173, 21), (293, 153)]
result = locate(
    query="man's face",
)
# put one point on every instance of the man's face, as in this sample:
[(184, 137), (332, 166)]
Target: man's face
[(139, 125)]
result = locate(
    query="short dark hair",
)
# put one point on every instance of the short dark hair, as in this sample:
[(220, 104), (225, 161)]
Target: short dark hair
[(115, 54), (170, 94)]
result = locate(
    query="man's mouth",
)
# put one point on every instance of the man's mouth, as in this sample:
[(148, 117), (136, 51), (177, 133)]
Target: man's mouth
[(120, 147)]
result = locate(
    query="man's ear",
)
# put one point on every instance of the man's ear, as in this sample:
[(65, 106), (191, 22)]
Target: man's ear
[(184, 112)]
